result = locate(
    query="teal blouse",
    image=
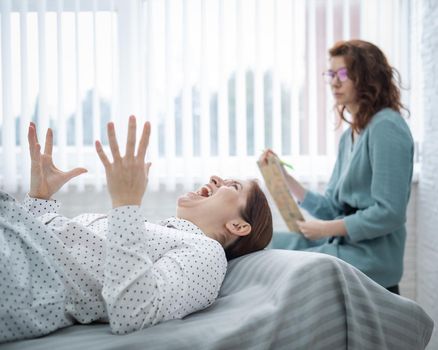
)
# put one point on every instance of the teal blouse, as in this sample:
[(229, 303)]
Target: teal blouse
[(369, 188)]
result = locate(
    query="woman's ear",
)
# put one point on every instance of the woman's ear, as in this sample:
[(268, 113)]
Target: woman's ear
[(238, 227)]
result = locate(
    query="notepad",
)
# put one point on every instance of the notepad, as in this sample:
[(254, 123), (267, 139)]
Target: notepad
[(276, 184)]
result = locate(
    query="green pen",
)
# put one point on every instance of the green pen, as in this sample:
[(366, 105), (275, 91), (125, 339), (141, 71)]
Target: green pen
[(282, 162)]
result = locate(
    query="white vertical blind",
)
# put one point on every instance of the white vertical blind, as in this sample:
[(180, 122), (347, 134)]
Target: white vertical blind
[(329, 101), (276, 91), (298, 15), (240, 88), (223, 119), (169, 124), (346, 19), (8, 125), (205, 90), (187, 115), (259, 126), (208, 74), (312, 130), (25, 111), (61, 130), (43, 120), (149, 80)]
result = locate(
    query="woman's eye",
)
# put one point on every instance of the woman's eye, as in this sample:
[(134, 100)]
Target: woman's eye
[(236, 186)]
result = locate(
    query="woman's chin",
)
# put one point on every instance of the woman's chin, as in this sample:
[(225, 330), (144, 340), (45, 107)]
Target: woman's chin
[(189, 199)]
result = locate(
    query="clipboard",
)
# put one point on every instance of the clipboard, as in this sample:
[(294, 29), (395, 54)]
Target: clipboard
[(276, 184)]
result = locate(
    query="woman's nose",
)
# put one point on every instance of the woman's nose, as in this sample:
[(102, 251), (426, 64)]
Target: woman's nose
[(216, 181), (335, 81)]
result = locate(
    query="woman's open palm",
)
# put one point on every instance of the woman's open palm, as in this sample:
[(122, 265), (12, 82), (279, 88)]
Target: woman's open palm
[(46, 179), (127, 177)]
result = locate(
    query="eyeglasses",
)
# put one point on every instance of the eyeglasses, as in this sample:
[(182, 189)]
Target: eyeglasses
[(341, 73)]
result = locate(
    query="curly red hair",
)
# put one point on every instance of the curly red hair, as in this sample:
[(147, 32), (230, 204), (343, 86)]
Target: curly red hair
[(376, 82)]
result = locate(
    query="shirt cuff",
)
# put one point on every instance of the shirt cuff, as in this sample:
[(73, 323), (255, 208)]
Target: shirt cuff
[(39, 207), (126, 225), (354, 230)]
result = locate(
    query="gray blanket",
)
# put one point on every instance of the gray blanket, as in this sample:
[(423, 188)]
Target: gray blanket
[(272, 299)]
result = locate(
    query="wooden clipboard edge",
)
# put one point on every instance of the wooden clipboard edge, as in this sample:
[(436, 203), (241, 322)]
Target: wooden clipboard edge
[(283, 199)]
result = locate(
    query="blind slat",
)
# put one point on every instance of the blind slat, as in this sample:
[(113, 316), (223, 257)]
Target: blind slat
[(205, 93), (8, 127), (223, 118), (43, 120), (61, 127), (330, 135), (241, 125), (346, 30), (149, 79), (259, 120), (169, 125), (25, 110), (298, 61), (187, 108), (79, 133), (312, 91), (98, 180), (276, 91)]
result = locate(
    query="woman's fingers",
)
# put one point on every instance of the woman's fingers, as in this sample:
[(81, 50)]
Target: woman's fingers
[(265, 155), (34, 147), (147, 166), (113, 142), (32, 124), (48, 147), (144, 141), (75, 172), (130, 142), (105, 161)]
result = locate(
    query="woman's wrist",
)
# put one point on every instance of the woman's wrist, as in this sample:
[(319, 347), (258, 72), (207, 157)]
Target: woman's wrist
[(125, 202), (295, 187), (36, 195), (336, 228)]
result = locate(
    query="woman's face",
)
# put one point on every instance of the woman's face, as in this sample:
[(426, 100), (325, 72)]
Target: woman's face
[(342, 87), (215, 203)]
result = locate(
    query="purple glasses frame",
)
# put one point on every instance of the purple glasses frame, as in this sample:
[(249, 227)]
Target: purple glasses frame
[(341, 73)]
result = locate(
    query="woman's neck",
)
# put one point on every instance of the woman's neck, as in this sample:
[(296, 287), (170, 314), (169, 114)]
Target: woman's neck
[(352, 109)]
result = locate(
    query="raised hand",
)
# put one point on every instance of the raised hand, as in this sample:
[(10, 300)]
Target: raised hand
[(127, 176), (45, 178)]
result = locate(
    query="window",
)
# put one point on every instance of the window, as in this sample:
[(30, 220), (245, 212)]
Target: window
[(220, 80)]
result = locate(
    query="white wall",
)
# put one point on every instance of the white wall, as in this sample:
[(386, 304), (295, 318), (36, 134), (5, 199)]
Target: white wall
[(427, 199)]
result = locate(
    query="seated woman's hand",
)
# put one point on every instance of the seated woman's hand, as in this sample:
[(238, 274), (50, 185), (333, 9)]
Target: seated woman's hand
[(265, 155), (46, 179), (127, 176), (317, 229)]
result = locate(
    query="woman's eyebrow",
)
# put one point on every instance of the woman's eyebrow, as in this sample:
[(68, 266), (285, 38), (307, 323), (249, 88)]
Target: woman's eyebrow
[(234, 182), (239, 183)]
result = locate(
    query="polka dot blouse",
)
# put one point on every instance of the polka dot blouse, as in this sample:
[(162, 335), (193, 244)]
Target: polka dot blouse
[(132, 273)]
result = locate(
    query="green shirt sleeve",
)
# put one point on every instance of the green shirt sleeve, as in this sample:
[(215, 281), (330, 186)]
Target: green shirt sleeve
[(324, 207), (391, 158)]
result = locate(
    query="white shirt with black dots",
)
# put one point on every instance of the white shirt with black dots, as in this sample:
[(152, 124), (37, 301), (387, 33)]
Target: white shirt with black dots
[(132, 273)]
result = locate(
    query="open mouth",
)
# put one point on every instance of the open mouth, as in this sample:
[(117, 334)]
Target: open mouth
[(205, 191)]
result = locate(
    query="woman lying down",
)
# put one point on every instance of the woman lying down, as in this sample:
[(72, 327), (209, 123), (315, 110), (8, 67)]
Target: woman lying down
[(119, 268)]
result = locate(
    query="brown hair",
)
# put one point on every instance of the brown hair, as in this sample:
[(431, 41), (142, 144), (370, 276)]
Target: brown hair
[(376, 82), (258, 214)]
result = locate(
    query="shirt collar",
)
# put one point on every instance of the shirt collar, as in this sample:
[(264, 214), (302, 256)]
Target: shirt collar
[(182, 225)]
